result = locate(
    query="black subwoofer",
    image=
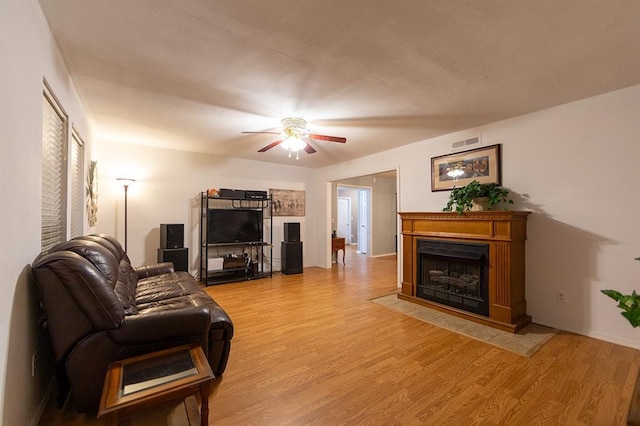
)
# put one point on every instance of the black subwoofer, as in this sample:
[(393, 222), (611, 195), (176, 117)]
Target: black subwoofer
[(171, 235), (292, 232), (178, 256), (291, 257)]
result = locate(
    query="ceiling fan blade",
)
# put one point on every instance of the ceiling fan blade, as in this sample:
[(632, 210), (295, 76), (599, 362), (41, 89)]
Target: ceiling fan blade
[(308, 148), (328, 138), (269, 133), (271, 145)]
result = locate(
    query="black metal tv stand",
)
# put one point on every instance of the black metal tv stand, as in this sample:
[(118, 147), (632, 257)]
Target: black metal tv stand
[(228, 262)]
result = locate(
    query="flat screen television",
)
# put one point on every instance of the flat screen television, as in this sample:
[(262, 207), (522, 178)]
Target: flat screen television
[(226, 226)]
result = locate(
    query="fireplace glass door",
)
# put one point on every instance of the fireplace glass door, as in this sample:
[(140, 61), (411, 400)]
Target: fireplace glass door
[(454, 274)]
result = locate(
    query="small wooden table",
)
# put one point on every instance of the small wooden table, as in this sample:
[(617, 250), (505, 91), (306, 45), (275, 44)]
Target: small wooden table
[(337, 244), (139, 383)]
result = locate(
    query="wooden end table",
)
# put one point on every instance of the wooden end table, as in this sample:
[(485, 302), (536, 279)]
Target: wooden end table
[(139, 383), (338, 243)]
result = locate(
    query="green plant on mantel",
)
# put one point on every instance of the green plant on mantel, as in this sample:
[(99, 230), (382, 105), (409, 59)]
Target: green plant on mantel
[(629, 303), (461, 199)]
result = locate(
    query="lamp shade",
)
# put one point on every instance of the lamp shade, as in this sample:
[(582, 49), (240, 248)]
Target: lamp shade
[(125, 181)]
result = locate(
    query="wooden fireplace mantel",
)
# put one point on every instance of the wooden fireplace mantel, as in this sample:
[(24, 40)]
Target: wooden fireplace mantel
[(504, 231)]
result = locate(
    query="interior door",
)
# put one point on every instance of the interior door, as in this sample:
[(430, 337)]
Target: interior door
[(344, 219), (363, 220)]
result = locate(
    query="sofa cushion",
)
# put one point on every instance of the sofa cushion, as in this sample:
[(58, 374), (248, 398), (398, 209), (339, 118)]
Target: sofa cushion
[(127, 297), (166, 286), (126, 287), (85, 283), (103, 260)]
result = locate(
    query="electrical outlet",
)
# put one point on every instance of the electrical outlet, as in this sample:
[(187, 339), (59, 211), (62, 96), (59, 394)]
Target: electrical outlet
[(34, 362), (560, 297)]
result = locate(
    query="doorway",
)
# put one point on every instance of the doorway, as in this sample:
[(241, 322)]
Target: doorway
[(344, 219), (354, 216), (374, 228)]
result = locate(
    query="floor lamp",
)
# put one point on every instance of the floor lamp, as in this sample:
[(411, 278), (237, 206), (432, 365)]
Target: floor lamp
[(125, 182)]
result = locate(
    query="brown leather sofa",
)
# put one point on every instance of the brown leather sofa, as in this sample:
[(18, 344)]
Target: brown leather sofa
[(99, 309)]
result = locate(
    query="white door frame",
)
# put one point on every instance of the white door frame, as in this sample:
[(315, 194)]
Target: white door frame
[(364, 220)]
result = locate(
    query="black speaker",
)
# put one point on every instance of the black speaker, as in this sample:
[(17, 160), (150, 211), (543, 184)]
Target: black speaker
[(292, 232), (291, 257), (171, 235), (179, 257)]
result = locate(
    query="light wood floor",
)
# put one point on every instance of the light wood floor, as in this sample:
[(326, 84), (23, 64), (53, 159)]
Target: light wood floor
[(312, 348)]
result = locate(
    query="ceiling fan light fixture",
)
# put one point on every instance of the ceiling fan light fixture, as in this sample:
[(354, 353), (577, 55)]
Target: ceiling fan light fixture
[(293, 143), (294, 123), (295, 137)]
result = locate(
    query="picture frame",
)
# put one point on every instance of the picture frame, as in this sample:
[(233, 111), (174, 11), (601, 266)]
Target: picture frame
[(287, 202), (461, 168)]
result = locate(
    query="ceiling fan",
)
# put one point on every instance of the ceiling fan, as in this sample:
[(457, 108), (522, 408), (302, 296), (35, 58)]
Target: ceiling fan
[(295, 136)]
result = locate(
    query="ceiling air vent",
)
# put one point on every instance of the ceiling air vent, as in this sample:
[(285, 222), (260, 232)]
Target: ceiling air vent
[(466, 143)]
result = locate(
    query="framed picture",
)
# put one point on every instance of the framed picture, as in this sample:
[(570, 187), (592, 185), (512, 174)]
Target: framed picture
[(287, 202), (459, 169)]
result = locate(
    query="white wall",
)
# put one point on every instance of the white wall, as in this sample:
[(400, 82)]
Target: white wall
[(167, 191), (384, 216), (575, 167), (28, 54)]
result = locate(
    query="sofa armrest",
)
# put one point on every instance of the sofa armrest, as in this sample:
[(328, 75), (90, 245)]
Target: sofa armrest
[(153, 270), (162, 325)]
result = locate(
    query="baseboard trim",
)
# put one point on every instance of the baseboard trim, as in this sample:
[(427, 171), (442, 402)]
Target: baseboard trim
[(385, 254), (587, 333)]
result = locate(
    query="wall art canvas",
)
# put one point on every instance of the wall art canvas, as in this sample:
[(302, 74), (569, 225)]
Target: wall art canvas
[(92, 193), (286, 202)]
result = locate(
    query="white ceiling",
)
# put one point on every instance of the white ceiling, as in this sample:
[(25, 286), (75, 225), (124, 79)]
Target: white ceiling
[(193, 74)]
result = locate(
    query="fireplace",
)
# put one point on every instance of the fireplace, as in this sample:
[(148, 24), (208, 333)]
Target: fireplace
[(455, 274), (469, 265)]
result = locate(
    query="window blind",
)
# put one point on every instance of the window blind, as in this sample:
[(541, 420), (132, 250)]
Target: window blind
[(77, 187), (54, 133)]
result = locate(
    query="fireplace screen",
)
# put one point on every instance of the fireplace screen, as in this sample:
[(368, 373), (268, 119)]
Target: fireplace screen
[(455, 274)]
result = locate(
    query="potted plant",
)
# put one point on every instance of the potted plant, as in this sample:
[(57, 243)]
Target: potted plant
[(629, 303), (467, 197)]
